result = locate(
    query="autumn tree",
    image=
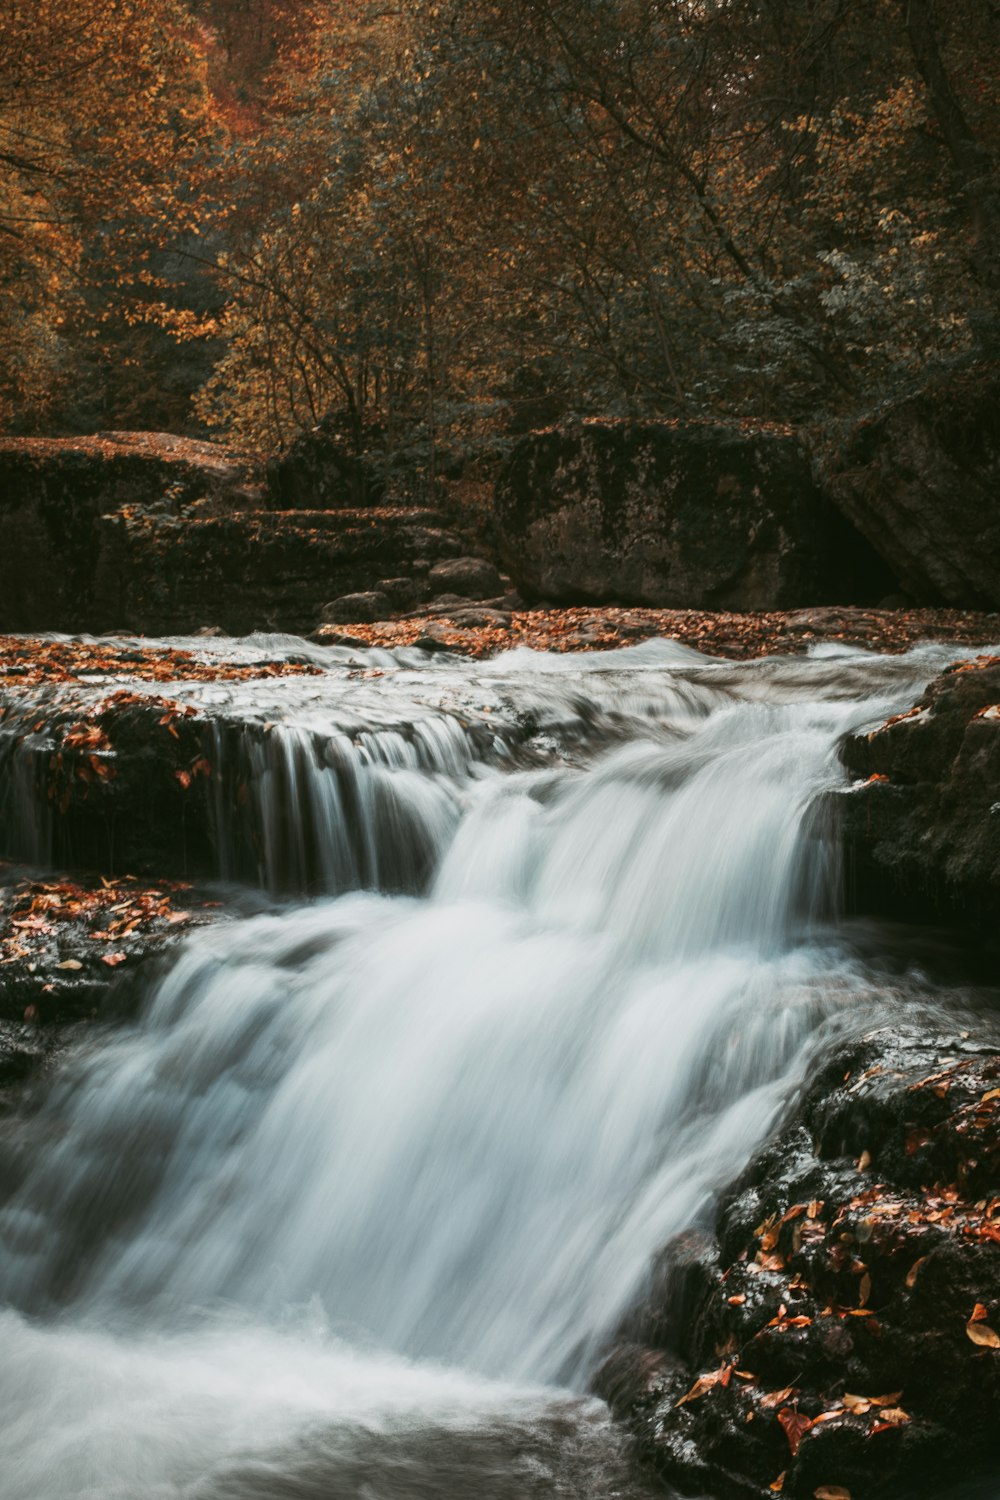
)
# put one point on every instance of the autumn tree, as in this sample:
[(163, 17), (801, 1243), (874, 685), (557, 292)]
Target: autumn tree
[(102, 122)]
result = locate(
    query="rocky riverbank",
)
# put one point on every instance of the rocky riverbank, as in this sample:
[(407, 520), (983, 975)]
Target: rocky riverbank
[(836, 1331), (922, 830), (483, 628)]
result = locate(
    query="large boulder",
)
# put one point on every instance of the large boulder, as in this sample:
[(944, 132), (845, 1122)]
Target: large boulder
[(922, 823), (684, 515), (54, 492), (469, 577), (922, 481)]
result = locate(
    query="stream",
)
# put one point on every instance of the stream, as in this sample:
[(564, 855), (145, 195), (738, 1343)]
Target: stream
[(356, 1203)]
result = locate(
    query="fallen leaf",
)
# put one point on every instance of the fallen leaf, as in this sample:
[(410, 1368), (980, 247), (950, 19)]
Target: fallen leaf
[(776, 1398), (113, 959), (70, 963), (865, 1289), (864, 1161), (983, 1335), (979, 1314), (796, 1426), (702, 1384), (777, 1485), (914, 1271), (893, 1416), (832, 1492)]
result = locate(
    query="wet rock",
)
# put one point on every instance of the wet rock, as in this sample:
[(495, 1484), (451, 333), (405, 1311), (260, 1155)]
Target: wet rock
[(332, 635), (922, 825), (65, 944), (362, 608), (468, 577), (846, 1333), (920, 481), (684, 515)]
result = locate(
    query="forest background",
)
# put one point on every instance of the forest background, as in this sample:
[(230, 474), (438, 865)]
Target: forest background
[(433, 226)]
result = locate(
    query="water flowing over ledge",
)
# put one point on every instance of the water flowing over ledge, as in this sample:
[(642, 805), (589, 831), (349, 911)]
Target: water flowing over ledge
[(393, 1167)]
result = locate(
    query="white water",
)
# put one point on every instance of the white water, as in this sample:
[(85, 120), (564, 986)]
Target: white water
[(374, 1179)]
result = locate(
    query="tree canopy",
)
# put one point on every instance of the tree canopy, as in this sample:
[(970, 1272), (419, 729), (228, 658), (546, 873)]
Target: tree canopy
[(434, 224)]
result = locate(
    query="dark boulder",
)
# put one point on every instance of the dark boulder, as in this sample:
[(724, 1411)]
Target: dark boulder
[(681, 515), (922, 824), (54, 492), (840, 1334), (318, 473), (469, 577), (921, 481), (356, 609)]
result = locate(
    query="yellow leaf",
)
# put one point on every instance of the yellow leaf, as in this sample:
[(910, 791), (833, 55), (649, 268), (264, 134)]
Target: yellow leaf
[(983, 1335), (914, 1271)]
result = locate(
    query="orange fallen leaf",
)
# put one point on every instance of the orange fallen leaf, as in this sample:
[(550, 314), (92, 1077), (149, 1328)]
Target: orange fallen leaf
[(983, 1335), (113, 959), (776, 1398), (914, 1271), (796, 1426)]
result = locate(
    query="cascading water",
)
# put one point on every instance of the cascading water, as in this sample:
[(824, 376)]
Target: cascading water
[(355, 1206)]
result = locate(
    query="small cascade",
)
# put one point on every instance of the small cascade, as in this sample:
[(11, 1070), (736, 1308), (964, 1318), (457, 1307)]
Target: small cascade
[(383, 1174)]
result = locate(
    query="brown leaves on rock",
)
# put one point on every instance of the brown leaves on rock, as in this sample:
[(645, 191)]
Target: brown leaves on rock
[(581, 628), (979, 1331), (722, 1376), (69, 929), (30, 661)]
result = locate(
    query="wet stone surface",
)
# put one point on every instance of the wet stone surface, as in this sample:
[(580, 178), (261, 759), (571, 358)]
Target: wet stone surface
[(922, 825), (838, 1330)]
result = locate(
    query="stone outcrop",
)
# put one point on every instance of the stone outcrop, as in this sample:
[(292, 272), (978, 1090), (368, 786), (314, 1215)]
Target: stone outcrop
[(54, 493), (681, 515), (837, 1332), (922, 826), (158, 535), (921, 481), (257, 571)]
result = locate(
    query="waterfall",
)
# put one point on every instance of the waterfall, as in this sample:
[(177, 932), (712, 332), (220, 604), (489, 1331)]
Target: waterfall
[(395, 1166)]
